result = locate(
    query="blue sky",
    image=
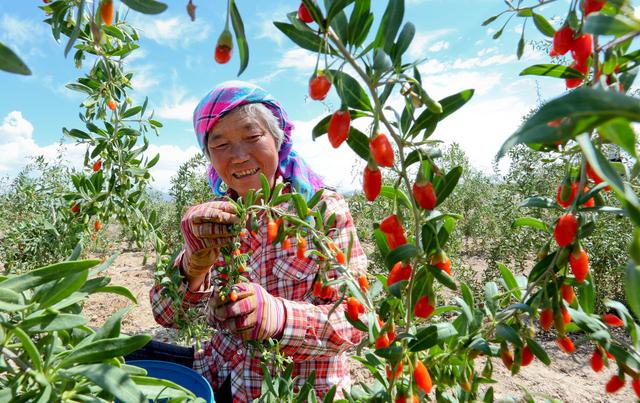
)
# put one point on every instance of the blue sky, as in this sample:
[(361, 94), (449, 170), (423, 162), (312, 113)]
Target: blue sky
[(175, 67)]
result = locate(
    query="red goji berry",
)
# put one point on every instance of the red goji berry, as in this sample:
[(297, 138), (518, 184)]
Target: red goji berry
[(372, 182), (566, 317), (112, 104), (423, 308), (286, 244), (319, 86), (303, 14), (340, 258), (546, 319), (527, 356), (381, 150), (97, 225), (97, 165), (635, 384), (383, 341), (596, 361), (566, 194), (566, 344), (338, 130), (592, 6), (272, 230), (576, 82), (224, 47), (363, 283), (567, 293), (397, 373), (579, 262), (425, 195), (327, 292), (422, 377), (106, 12), (400, 271), (317, 289), (75, 208), (441, 261), (615, 384), (591, 173), (233, 296), (591, 202), (354, 308), (302, 248), (581, 48), (612, 320), (563, 40), (565, 230)]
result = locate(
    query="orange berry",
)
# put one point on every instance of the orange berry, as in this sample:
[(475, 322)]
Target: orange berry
[(340, 257), (565, 230), (233, 296), (400, 271), (97, 225), (422, 377), (596, 361), (567, 293), (546, 319), (286, 244), (383, 341), (75, 208), (442, 261), (106, 11), (423, 308), (566, 344), (354, 308), (112, 104), (527, 356), (363, 283), (579, 262), (507, 358), (317, 289), (566, 317), (272, 231), (397, 373), (302, 248)]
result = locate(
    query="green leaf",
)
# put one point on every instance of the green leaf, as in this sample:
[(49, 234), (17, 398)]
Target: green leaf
[(540, 202), (619, 131), (131, 111), (401, 253), (105, 348), (392, 194), (389, 25), (602, 24), (587, 295), (350, 91), (599, 163), (540, 267), (160, 389), (360, 22), (359, 143), (543, 25), (448, 184), (442, 277), (55, 292), (50, 322), (538, 351), (404, 40), (146, 6), (520, 49), (111, 379), (431, 336), (336, 7), (305, 39), (76, 28), (29, 347), (449, 105), (551, 70), (531, 223), (587, 109), (510, 280), (11, 63), (509, 334), (118, 290), (631, 286), (43, 275), (241, 40), (300, 205)]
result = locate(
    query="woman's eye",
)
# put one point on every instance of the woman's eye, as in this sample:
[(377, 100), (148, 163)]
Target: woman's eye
[(254, 137), (220, 146)]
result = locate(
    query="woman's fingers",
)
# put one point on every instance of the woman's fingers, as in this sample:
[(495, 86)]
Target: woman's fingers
[(215, 212), (211, 230), (243, 305)]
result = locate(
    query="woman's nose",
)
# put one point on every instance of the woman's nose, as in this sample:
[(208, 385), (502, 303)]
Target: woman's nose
[(238, 154)]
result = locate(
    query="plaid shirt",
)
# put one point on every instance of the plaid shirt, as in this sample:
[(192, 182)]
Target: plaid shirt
[(314, 340)]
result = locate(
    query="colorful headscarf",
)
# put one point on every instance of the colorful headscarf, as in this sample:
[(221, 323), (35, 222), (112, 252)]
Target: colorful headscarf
[(232, 94)]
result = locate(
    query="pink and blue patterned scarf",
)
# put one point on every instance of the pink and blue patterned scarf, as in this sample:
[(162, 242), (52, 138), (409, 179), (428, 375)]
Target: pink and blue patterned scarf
[(228, 96)]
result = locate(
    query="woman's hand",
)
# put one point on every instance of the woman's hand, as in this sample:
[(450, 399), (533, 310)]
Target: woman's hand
[(255, 314), (206, 228)]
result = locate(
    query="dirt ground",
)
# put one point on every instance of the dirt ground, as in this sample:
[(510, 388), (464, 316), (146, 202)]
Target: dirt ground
[(566, 380)]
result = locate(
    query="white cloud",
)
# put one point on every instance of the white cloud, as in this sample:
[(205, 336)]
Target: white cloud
[(267, 30), (299, 59), (144, 77), (177, 105), (474, 62), (16, 32), (486, 51), (17, 146), (423, 41), (172, 32), (171, 157), (438, 46), (445, 84)]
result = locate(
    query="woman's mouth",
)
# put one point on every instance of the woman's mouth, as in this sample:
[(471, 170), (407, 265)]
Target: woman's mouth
[(245, 173)]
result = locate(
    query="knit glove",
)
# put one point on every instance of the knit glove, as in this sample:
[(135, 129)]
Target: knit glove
[(206, 228), (255, 315)]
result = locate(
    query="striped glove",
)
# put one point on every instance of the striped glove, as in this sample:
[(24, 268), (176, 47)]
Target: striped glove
[(206, 228), (255, 315)]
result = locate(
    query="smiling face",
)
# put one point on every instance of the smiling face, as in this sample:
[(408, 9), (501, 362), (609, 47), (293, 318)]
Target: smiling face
[(240, 148)]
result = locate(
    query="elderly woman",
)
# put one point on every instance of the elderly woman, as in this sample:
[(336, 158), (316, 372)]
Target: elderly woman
[(244, 132)]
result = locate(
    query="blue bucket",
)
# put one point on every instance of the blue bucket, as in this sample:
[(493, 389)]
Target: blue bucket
[(183, 376)]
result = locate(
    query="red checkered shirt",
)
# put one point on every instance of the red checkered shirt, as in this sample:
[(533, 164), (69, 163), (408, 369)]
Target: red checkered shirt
[(312, 338)]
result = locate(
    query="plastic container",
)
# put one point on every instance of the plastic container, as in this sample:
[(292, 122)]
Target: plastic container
[(183, 376)]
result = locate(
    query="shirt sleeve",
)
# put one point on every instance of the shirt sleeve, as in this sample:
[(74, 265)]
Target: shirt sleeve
[(162, 305), (310, 332)]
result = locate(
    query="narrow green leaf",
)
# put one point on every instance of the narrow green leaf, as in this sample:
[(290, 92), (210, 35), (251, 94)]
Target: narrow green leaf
[(449, 105), (442, 277), (510, 280), (336, 7), (603, 24), (551, 70), (241, 40), (401, 253), (538, 351), (11, 63), (29, 347), (350, 91), (543, 25), (359, 143), (304, 39), (111, 379), (43, 275), (389, 25), (509, 334), (531, 223), (105, 348), (619, 131), (118, 290), (51, 322), (146, 6), (632, 285), (392, 193), (448, 184), (76, 28), (432, 335)]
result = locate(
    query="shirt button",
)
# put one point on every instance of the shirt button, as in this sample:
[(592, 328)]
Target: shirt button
[(299, 275), (240, 352)]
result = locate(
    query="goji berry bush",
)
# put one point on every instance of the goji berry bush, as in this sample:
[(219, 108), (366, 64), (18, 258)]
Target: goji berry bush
[(418, 344)]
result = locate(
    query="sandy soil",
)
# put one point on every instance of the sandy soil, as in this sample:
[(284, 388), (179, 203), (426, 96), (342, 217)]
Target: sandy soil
[(567, 380)]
